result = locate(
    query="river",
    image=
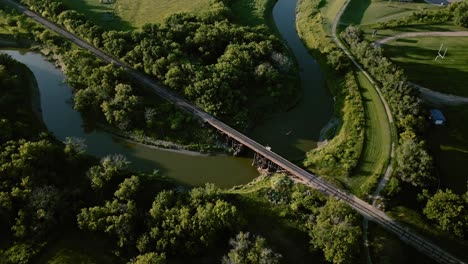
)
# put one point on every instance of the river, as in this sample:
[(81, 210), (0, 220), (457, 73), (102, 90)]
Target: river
[(293, 133), (63, 121), (304, 121)]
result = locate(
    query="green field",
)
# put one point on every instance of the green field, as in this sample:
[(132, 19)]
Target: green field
[(253, 12), (377, 144), (416, 56), (78, 247), (449, 145), (361, 12), (386, 247), (414, 220), (127, 14)]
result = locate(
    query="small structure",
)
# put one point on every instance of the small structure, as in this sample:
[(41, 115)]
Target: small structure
[(437, 117)]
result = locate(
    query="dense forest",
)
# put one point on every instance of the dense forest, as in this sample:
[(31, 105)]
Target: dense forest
[(48, 187), (233, 72)]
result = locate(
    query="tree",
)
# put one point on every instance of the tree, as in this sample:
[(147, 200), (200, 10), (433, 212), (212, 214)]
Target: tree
[(414, 164), (118, 111), (115, 218), (18, 254), (179, 224), (149, 258), (336, 232), (461, 14), (110, 167), (246, 251), (449, 210), (128, 188)]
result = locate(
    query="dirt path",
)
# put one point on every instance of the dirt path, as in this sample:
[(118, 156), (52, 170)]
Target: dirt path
[(388, 172), (438, 97), (428, 94), (423, 34)]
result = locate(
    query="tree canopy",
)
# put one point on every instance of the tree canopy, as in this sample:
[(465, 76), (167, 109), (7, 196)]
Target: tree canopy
[(449, 211), (250, 250), (336, 232)]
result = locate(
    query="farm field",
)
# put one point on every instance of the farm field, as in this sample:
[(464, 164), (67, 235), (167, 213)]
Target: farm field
[(416, 56), (127, 14)]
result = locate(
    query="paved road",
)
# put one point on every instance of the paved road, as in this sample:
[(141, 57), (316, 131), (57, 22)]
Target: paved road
[(423, 34), (359, 205)]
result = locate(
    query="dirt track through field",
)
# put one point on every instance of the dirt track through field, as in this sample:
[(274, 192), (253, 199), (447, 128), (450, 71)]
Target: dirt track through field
[(423, 34), (440, 98), (428, 94)]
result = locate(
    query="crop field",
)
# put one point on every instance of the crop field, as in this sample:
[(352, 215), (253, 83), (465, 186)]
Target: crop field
[(128, 14), (417, 57), (361, 12)]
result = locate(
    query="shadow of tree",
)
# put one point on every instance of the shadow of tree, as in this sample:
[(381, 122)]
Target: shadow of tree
[(355, 12), (418, 62)]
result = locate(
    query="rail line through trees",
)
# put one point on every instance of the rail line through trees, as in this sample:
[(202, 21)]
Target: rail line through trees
[(311, 180)]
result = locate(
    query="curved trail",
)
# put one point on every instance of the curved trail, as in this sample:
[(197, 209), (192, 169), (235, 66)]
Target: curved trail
[(423, 34), (428, 94), (438, 97), (366, 210), (388, 172)]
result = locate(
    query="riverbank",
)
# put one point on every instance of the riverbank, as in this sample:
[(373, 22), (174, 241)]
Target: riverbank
[(344, 157)]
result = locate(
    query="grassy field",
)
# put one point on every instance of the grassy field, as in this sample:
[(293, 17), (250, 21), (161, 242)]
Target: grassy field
[(449, 146), (361, 12), (416, 56), (78, 247), (283, 235), (385, 247), (418, 223), (383, 33), (253, 13), (128, 14), (377, 144), (315, 32)]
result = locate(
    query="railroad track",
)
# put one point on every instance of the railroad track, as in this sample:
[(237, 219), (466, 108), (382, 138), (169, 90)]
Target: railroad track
[(311, 180)]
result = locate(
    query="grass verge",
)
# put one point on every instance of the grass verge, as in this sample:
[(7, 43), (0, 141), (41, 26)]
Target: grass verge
[(413, 219), (385, 247), (315, 30), (283, 233), (377, 143)]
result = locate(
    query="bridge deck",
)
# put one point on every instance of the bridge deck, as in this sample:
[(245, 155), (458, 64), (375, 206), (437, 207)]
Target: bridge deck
[(365, 209)]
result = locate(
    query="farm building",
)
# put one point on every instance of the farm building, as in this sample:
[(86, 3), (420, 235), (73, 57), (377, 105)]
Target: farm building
[(437, 117)]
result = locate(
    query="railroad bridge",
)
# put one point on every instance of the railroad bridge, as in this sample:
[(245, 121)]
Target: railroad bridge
[(366, 210)]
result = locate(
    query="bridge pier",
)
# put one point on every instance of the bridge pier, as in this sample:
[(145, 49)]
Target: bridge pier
[(230, 143), (266, 166)]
